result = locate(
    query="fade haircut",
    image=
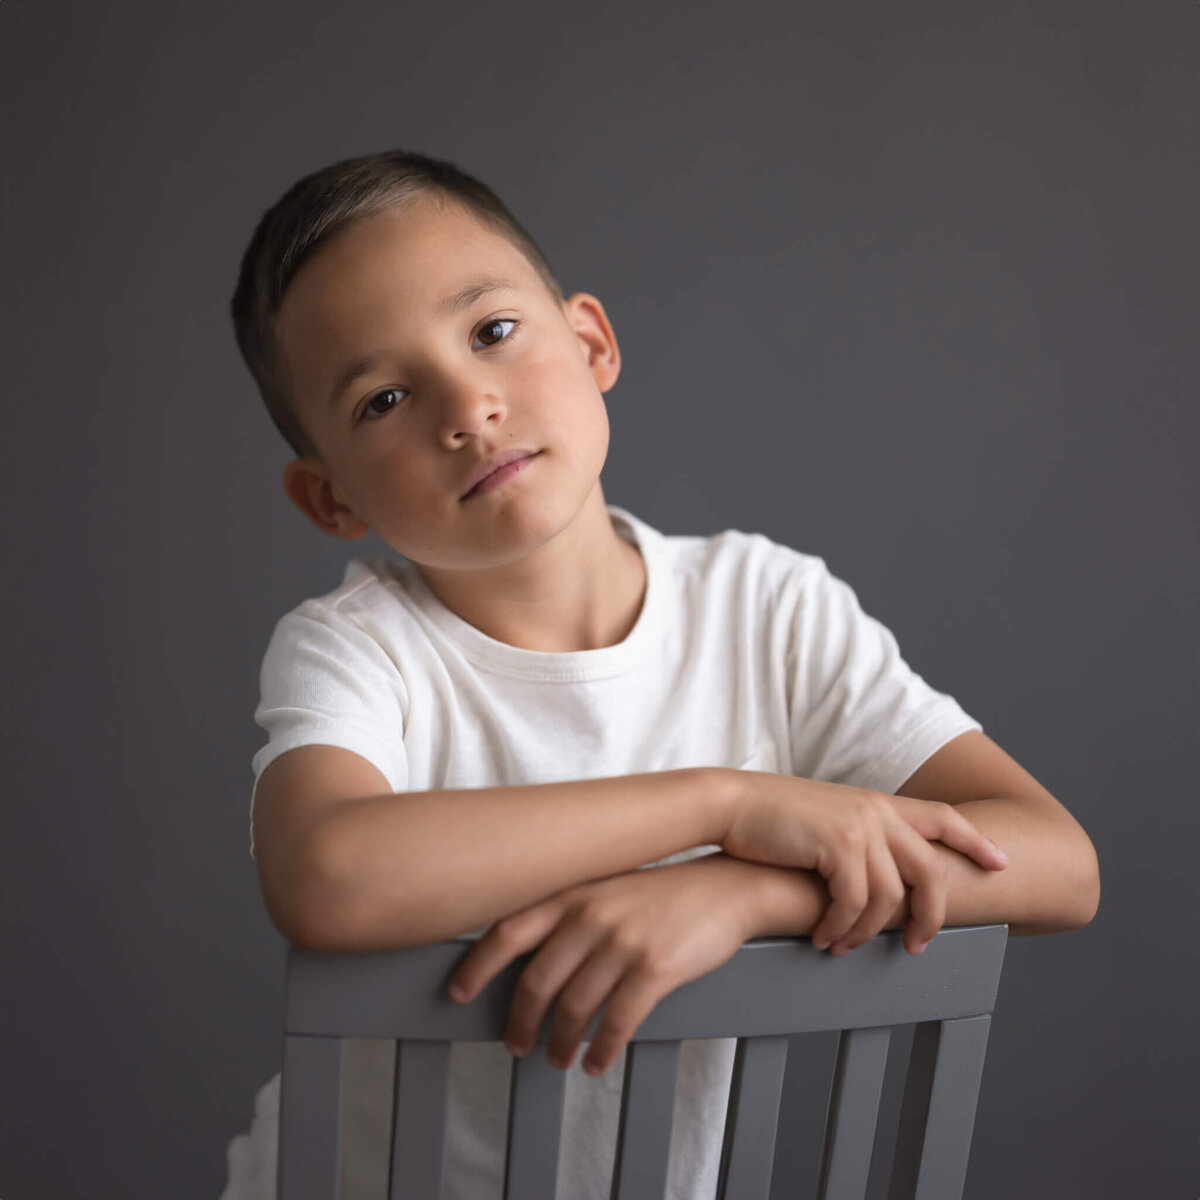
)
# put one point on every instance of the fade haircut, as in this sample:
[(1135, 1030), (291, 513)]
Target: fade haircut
[(312, 212)]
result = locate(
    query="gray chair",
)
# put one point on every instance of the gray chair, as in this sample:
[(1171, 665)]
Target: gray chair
[(771, 988)]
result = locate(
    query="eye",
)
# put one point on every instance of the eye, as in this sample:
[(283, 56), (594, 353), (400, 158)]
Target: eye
[(499, 321), (382, 403), (374, 407)]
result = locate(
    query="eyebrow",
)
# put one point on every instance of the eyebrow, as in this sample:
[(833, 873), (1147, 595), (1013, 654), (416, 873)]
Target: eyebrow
[(475, 290)]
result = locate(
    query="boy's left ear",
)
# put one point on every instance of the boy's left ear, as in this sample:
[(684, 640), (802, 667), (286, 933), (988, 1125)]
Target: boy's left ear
[(597, 341)]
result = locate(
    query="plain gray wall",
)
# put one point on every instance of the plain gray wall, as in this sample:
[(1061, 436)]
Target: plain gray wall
[(909, 286)]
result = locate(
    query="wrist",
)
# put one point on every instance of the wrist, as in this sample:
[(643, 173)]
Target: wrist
[(723, 791), (786, 902)]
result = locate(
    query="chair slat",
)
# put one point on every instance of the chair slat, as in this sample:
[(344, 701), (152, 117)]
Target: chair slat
[(937, 1114), (535, 1118), (309, 1117), (853, 1113), (769, 991), (419, 1119), (647, 1115), (748, 1152)]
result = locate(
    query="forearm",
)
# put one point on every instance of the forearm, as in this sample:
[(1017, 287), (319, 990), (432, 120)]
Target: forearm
[(418, 867), (1051, 883)]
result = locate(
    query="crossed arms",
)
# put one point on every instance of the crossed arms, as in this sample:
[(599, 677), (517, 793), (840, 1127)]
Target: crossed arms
[(345, 864)]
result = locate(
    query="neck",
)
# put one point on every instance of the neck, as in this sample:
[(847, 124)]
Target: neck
[(583, 590)]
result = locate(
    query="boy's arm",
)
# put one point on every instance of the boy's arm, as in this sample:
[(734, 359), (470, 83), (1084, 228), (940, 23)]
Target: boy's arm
[(347, 864), (344, 867), (624, 942), (1051, 883)]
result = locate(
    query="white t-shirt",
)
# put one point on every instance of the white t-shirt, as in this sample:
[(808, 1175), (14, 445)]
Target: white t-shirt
[(746, 654)]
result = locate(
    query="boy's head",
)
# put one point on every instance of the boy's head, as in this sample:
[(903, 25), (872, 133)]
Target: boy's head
[(309, 215), (359, 261)]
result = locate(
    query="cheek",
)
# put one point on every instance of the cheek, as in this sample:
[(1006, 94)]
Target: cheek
[(601, 429), (599, 413), (587, 411)]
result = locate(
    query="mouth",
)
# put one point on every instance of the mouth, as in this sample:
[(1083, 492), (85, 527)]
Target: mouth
[(499, 470)]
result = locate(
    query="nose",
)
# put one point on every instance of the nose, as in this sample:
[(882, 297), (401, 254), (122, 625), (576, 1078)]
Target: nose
[(469, 407)]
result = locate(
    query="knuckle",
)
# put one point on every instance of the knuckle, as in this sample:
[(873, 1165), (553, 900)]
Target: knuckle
[(629, 944), (593, 915), (530, 988), (931, 870), (645, 961), (849, 837), (654, 970), (571, 1009), (878, 804), (508, 933)]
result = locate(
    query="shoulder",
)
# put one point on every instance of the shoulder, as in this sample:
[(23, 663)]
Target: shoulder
[(746, 560), (371, 588), (366, 613)]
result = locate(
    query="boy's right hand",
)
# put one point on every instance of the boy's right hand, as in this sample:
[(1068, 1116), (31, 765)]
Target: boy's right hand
[(866, 845)]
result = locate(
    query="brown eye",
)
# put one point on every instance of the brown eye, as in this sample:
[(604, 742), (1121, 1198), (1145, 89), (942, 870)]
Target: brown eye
[(380, 403), (492, 325)]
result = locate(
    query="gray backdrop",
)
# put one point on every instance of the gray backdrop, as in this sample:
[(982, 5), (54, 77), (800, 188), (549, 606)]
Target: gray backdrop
[(910, 286)]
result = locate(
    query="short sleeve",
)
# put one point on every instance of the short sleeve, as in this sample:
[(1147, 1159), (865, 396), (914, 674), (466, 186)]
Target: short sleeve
[(858, 713), (325, 681)]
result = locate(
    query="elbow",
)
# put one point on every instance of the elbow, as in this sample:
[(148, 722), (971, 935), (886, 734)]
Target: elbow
[(1090, 889), (1069, 897), (287, 915), (1086, 891), (337, 910), (303, 899), (313, 927)]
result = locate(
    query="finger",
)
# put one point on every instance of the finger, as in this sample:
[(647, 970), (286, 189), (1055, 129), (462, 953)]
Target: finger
[(886, 894), (507, 940), (632, 1002), (581, 999), (925, 871), (936, 821), (848, 894), (546, 976)]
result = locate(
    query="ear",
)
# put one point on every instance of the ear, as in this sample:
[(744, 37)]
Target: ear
[(309, 487), (585, 314)]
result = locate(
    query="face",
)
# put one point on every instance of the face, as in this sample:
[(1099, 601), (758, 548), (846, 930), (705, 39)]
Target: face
[(444, 386)]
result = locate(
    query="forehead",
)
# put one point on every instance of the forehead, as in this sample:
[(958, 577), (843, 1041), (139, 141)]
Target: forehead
[(413, 256)]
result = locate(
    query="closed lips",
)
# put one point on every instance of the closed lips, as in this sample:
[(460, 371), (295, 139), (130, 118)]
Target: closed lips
[(492, 464)]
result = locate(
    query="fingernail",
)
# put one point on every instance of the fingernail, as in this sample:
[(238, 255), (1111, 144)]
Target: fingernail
[(457, 991), (514, 1048), (820, 943), (592, 1068)]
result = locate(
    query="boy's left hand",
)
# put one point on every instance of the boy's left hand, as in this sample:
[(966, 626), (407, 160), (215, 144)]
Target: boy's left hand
[(626, 940)]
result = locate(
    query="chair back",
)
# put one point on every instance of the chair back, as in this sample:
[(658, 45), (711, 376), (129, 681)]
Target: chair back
[(770, 989)]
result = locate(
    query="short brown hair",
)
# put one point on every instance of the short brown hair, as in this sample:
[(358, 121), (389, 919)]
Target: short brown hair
[(311, 212)]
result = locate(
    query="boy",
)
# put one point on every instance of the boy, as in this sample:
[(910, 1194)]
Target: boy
[(627, 752)]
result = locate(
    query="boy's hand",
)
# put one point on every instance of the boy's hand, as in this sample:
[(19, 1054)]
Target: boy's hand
[(865, 844), (625, 942)]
